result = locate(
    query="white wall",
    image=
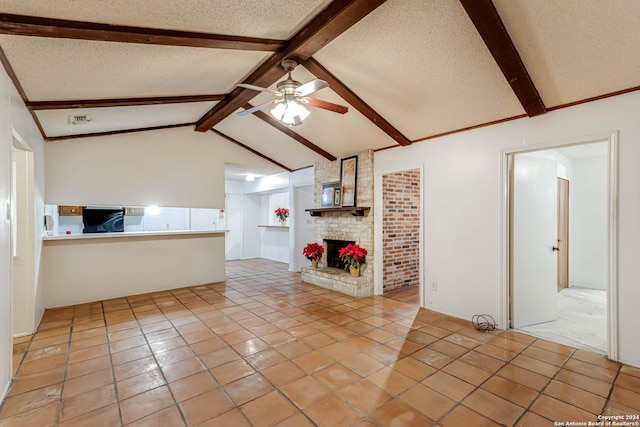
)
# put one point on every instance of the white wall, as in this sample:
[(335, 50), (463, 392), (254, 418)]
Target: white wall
[(564, 164), (463, 215), (170, 167), (234, 239), (275, 201), (588, 218), (251, 218), (302, 229), (15, 121), (274, 242)]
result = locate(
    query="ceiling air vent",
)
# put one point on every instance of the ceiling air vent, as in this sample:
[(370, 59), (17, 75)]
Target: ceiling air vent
[(81, 119)]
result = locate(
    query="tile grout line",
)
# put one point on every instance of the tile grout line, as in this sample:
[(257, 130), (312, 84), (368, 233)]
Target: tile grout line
[(113, 367), (332, 392), (478, 387), (144, 334), (220, 386), (277, 389), (541, 392), (17, 372), (64, 376), (291, 301), (613, 384)]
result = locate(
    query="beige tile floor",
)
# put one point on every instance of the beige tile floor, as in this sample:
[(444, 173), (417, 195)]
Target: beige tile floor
[(265, 349)]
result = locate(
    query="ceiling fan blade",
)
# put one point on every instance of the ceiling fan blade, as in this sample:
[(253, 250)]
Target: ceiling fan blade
[(327, 105), (312, 86), (258, 108), (258, 88)]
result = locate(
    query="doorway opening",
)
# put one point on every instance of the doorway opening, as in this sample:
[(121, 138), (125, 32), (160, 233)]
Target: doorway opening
[(401, 218), (561, 244)]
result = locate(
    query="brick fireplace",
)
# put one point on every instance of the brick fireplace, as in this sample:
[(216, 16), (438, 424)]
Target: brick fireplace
[(343, 226)]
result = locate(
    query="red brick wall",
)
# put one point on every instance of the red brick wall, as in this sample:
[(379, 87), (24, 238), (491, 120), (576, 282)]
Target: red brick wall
[(401, 229)]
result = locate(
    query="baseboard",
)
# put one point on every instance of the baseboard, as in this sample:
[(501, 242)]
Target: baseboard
[(22, 334), (6, 391)]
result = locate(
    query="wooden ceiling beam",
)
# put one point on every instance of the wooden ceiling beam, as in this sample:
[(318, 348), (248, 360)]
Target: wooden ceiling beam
[(485, 17), (60, 28), (354, 100), (119, 102), (287, 131), (335, 19), (257, 153)]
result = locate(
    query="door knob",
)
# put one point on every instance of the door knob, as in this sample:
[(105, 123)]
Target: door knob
[(555, 248)]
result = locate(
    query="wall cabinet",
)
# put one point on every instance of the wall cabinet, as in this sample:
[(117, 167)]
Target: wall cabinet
[(69, 210)]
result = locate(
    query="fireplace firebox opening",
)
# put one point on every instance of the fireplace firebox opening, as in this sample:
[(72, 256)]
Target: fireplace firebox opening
[(333, 252)]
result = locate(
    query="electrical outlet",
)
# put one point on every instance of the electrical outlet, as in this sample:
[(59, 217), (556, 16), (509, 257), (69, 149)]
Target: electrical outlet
[(434, 285)]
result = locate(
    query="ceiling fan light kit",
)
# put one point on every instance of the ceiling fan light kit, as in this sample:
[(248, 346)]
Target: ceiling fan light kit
[(291, 112), (289, 108)]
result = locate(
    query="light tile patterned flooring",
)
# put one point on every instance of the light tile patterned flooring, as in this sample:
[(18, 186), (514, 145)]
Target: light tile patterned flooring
[(265, 349)]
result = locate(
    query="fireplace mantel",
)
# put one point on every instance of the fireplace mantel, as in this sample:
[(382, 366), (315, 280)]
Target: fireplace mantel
[(355, 210)]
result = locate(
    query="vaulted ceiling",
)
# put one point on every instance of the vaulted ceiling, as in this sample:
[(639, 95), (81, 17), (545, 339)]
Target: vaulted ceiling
[(409, 70)]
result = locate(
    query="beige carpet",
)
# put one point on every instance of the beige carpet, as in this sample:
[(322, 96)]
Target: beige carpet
[(582, 320)]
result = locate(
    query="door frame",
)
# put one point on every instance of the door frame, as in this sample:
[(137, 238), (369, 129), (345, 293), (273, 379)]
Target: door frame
[(564, 248), (378, 270), (612, 248), (23, 225)]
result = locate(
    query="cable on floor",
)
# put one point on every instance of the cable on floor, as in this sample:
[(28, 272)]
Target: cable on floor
[(483, 322)]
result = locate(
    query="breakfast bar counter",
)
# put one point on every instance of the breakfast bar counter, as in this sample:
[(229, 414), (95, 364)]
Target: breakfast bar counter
[(79, 268)]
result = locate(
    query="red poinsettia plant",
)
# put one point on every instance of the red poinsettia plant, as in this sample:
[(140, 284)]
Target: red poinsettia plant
[(313, 251), (282, 214), (353, 254)]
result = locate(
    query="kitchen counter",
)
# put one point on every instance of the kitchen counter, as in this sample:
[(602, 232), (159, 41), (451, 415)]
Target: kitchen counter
[(129, 234), (80, 268)]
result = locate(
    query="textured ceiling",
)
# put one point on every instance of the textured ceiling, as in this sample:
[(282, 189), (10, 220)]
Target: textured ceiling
[(576, 49), (419, 67), (256, 134), (250, 18), (118, 118), (59, 69), (423, 67)]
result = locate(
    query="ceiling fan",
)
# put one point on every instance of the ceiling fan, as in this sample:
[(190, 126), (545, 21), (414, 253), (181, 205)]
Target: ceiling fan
[(292, 96)]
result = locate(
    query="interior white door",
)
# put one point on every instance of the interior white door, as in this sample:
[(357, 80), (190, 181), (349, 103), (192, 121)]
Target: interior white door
[(534, 235)]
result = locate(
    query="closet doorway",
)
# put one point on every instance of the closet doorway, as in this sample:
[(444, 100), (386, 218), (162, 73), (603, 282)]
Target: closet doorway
[(560, 240)]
